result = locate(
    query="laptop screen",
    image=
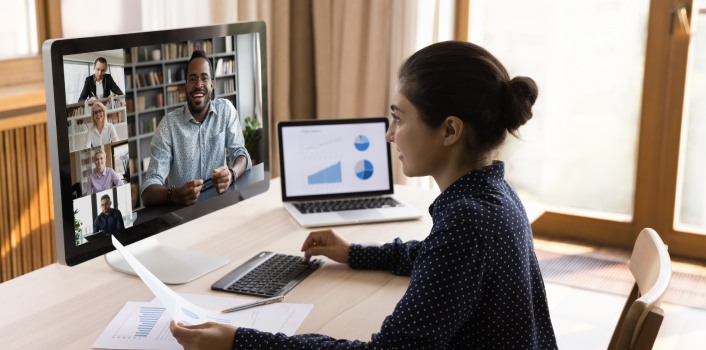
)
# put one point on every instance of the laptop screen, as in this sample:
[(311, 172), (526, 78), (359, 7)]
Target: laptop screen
[(334, 158)]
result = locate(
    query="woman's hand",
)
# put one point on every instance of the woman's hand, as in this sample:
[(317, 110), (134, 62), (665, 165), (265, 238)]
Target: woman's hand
[(328, 244), (209, 335)]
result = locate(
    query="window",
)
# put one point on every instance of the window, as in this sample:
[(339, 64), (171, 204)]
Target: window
[(579, 149), (27, 26), (18, 30), (691, 192), (614, 144)]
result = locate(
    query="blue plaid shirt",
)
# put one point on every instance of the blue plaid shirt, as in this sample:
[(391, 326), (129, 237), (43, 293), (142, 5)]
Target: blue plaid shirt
[(184, 149)]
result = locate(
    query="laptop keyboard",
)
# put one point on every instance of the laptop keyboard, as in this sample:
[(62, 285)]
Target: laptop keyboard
[(345, 204), (267, 274)]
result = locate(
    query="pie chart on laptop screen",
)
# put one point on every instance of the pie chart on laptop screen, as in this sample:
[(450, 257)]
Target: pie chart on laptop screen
[(364, 169), (361, 143)]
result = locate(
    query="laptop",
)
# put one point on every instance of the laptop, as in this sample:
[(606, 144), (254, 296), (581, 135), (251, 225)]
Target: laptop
[(338, 172)]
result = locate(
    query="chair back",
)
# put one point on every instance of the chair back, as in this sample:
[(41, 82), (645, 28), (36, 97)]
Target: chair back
[(651, 267)]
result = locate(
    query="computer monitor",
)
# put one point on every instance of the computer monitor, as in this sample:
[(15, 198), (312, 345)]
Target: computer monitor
[(142, 79)]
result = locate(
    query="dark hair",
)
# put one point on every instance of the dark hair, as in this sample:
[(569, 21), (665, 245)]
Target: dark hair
[(105, 196), (101, 60), (200, 54), (461, 79)]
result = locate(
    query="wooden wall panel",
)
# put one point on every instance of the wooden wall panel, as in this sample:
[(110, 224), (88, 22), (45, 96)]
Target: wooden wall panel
[(4, 214), (27, 239)]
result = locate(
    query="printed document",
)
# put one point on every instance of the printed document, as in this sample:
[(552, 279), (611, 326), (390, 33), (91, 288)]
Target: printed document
[(145, 325)]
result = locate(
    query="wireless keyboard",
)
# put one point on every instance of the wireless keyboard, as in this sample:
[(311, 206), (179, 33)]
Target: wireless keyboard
[(267, 274)]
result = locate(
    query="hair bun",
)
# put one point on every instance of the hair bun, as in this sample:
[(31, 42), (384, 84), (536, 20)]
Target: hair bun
[(519, 97)]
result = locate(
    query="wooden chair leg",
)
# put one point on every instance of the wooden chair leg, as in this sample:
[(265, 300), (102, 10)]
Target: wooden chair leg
[(650, 328), (619, 326)]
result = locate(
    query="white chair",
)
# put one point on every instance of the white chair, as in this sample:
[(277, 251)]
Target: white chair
[(641, 318)]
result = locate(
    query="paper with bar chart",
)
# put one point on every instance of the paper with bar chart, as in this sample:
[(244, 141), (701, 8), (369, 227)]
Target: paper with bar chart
[(145, 325), (327, 159)]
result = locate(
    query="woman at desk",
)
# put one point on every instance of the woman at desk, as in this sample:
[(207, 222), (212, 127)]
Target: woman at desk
[(475, 280)]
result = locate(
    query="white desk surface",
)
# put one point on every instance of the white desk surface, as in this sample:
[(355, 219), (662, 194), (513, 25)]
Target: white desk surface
[(60, 307)]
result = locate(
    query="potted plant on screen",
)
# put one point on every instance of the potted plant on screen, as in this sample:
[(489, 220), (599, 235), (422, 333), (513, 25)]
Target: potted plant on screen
[(77, 228), (252, 132), (125, 158)]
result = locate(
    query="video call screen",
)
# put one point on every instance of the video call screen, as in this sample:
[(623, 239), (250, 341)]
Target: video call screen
[(111, 124)]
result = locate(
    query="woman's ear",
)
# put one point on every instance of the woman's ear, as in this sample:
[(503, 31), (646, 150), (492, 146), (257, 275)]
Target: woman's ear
[(452, 129)]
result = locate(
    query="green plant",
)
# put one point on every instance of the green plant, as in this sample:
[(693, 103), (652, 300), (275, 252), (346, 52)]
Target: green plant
[(252, 134), (77, 228)]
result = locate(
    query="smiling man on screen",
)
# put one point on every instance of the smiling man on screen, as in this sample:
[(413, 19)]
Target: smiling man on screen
[(195, 143)]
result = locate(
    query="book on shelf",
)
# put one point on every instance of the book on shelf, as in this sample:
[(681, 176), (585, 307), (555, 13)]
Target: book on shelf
[(138, 81), (219, 67), (76, 111), (227, 86), (146, 163), (225, 67), (174, 51), (148, 125), (205, 45), (229, 43), (172, 95), (80, 127), (156, 77), (151, 78), (130, 129), (140, 103), (182, 93), (175, 94), (115, 118), (115, 103), (144, 54), (160, 99)]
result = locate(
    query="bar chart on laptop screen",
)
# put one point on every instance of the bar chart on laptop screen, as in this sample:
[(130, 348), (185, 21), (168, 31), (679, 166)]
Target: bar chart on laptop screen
[(324, 159), (329, 175)]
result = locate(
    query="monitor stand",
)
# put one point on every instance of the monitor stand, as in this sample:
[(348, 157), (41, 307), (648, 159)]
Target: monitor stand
[(171, 265)]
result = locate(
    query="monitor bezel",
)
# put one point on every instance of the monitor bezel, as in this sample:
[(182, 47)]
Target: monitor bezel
[(53, 52)]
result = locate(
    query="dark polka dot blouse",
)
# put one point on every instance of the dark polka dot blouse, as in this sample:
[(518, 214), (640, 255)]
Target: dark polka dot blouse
[(475, 281)]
